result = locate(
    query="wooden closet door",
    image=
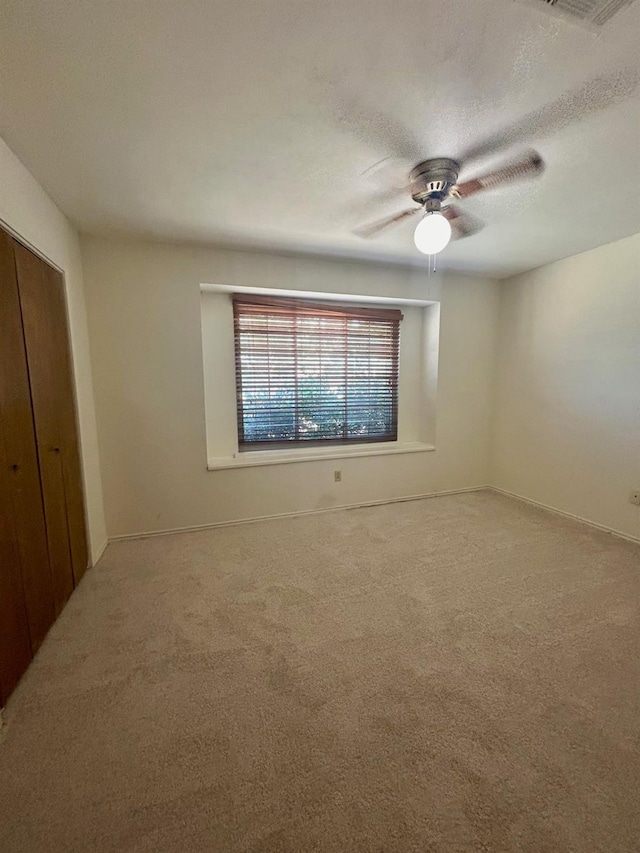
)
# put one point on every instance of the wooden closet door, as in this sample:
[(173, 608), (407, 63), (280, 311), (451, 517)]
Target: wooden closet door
[(44, 320), (21, 493), (15, 644)]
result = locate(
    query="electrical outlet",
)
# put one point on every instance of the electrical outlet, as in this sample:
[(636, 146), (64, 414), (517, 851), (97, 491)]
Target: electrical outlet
[(337, 476), (634, 497)]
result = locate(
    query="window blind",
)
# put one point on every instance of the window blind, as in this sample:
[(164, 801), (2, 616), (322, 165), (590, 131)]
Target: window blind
[(312, 372)]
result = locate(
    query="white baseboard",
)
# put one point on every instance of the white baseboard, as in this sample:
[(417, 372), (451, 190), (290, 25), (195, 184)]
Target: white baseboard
[(565, 514), (233, 522), (95, 559), (172, 530)]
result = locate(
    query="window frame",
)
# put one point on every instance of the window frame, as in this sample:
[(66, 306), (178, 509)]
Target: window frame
[(275, 305)]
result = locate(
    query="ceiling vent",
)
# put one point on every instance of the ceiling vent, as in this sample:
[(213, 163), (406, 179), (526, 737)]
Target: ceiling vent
[(589, 12)]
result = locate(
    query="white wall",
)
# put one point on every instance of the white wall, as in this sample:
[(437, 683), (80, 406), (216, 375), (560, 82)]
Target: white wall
[(567, 419), (27, 211), (143, 303)]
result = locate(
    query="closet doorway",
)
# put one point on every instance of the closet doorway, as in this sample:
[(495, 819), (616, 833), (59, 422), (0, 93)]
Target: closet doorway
[(43, 542)]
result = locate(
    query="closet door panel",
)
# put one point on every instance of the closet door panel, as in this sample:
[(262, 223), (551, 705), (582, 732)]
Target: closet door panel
[(69, 445), (22, 496), (15, 645), (39, 316)]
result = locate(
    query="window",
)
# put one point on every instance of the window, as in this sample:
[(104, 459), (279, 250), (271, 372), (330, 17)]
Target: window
[(313, 373)]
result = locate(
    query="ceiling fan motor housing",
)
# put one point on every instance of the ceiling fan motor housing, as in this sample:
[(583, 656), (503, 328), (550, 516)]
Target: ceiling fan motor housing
[(433, 179)]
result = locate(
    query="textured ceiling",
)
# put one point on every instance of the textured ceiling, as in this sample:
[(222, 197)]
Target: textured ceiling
[(252, 122)]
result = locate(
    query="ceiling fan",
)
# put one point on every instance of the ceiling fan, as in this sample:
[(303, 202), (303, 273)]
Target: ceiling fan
[(433, 185)]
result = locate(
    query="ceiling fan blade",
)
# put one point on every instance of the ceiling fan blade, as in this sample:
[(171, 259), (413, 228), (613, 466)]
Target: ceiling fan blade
[(375, 227), (525, 167), (572, 106), (383, 131), (380, 130), (388, 196), (462, 223), (390, 174)]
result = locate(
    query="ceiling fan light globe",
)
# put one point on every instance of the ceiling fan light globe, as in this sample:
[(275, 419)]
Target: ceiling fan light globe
[(432, 233)]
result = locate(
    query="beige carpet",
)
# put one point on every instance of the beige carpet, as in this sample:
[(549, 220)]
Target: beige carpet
[(453, 674)]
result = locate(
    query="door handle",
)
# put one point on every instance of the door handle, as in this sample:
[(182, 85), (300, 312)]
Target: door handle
[(55, 449), (15, 467)]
